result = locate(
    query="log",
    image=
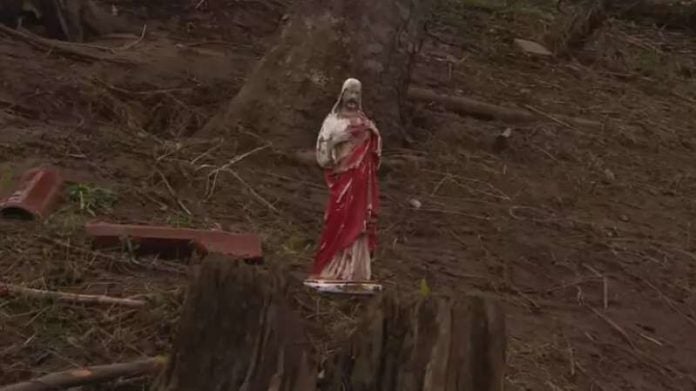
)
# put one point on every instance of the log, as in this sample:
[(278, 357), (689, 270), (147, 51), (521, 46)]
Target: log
[(60, 47), (435, 345), (666, 14), (468, 106), (238, 333), (89, 375), (471, 106), (69, 297), (295, 84)]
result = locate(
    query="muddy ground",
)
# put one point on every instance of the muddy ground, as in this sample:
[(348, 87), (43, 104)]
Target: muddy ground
[(584, 234)]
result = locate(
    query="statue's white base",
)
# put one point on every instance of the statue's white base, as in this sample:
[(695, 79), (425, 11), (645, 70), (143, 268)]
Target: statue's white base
[(344, 287)]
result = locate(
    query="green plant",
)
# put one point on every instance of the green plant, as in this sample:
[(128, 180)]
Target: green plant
[(180, 220), (5, 179), (91, 198), (424, 289)]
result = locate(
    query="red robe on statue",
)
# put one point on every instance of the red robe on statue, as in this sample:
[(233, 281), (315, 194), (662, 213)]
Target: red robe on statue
[(354, 194)]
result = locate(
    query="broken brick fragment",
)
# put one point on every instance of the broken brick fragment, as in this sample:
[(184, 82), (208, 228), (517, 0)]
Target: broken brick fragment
[(177, 242), (36, 195)]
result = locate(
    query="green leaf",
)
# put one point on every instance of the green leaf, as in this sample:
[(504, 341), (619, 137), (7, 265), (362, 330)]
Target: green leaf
[(424, 288)]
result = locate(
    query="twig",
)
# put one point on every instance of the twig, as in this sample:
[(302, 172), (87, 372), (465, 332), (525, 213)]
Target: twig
[(605, 285), (69, 297), (669, 301), (605, 291), (584, 372), (439, 184), (239, 158), (571, 356), (252, 191), (548, 116), (455, 212), (500, 194), (512, 212), (206, 153), (615, 326), (173, 193), (690, 100), (213, 175), (137, 41), (651, 339), (89, 375)]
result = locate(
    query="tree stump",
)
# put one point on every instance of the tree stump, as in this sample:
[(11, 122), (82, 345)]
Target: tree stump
[(435, 345), (325, 41), (237, 332)]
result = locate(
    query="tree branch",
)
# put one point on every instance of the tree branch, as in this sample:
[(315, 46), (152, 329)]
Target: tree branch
[(89, 375)]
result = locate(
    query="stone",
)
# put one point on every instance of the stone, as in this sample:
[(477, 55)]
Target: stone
[(531, 47)]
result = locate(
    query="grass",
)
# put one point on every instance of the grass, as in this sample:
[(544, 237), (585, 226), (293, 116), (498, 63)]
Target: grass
[(92, 199), (5, 179), (457, 9), (180, 220)]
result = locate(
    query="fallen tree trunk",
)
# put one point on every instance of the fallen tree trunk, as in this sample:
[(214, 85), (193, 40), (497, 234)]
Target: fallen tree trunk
[(69, 297), (436, 344), (89, 375), (295, 84), (60, 47), (476, 108)]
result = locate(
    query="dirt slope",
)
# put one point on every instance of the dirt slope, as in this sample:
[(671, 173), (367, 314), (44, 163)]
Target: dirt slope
[(563, 221)]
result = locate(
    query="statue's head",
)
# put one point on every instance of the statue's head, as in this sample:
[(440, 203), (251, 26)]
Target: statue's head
[(350, 99)]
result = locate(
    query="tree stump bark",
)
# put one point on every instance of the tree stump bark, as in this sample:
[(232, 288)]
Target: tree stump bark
[(238, 333), (436, 345), (325, 41)]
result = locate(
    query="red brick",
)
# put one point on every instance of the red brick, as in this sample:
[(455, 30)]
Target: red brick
[(36, 195), (170, 241)]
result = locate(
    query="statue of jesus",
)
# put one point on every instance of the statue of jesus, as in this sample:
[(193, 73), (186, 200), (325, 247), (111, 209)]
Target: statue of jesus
[(349, 149)]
